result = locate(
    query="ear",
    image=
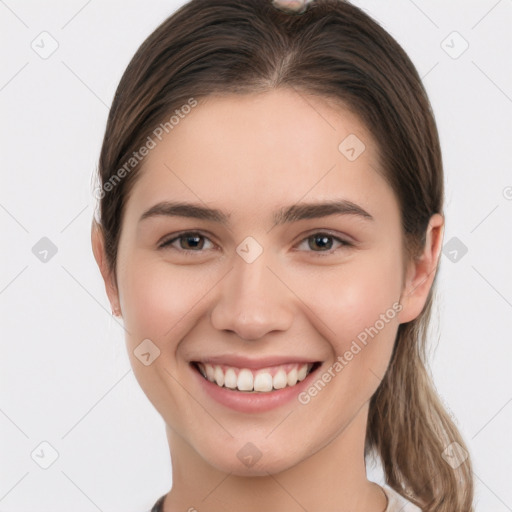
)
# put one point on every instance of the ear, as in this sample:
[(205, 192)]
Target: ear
[(421, 271), (98, 248)]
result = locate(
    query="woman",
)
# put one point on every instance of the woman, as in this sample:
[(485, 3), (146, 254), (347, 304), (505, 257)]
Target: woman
[(269, 229)]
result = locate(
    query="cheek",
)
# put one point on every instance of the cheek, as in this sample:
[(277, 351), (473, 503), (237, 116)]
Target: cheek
[(359, 303), (158, 299), (368, 320), (160, 303), (352, 296)]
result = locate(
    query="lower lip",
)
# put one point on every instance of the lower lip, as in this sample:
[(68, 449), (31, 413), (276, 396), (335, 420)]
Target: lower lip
[(253, 402)]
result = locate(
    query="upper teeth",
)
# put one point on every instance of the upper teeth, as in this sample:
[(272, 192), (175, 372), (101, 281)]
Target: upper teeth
[(263, 380)]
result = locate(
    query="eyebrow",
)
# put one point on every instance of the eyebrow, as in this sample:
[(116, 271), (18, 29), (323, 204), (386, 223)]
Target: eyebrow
[(284, 215)]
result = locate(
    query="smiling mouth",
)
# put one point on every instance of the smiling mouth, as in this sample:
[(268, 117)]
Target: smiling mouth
[(264, 380)]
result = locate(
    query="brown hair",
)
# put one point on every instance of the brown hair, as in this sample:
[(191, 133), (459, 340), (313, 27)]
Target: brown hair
[(336, 51)]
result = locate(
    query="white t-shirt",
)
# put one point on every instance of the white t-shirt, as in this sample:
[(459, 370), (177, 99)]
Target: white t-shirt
[(397, 503)]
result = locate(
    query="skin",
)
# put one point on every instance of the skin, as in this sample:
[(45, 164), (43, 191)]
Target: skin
[(248, 156)]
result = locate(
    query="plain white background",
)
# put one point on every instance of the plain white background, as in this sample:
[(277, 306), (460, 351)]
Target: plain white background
[(65, 377)]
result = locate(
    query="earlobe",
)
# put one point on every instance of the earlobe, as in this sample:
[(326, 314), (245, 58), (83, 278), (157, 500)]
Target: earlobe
[(98, 249), (421, 271)]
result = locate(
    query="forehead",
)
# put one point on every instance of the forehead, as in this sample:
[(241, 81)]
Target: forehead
[(263, 149)]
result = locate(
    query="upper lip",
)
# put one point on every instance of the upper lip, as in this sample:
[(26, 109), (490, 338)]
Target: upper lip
[(251, 363)]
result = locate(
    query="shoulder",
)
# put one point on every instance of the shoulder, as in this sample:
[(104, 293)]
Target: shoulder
[(397, 503)]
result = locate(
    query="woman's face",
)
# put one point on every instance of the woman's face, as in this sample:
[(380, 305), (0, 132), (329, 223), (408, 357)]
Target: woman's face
[(264, 282)]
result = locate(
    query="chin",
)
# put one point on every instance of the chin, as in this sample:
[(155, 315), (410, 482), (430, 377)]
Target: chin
[(246, 460)]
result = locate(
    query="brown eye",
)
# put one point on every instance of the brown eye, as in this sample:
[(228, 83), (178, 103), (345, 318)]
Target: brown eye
[(192, 241), (323, 243)]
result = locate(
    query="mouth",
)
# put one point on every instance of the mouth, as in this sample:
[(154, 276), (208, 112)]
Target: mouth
[(256, 381)]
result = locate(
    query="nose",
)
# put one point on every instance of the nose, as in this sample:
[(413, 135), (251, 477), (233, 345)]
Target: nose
[(253, 301)]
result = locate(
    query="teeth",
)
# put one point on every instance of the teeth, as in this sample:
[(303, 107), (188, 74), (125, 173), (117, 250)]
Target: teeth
[(292, 377), (262, 381), (301, 374), (230, 380), (245, 380), (218, 376), (210, 373), (280, 381)]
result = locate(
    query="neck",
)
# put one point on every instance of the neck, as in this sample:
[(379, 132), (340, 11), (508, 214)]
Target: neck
[(333, 478)]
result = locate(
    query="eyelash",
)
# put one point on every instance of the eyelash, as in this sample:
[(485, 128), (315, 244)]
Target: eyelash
[(167, 244)]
